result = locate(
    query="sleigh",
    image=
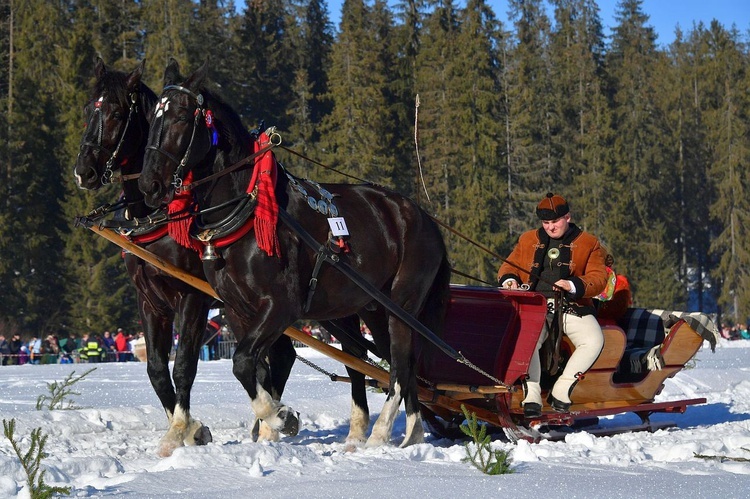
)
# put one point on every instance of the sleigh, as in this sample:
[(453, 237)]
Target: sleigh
[(495, 332), (499, 329)]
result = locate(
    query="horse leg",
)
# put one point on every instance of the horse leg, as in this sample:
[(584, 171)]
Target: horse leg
[(184, 430), (345, 330), (250, 365), (281, 358), (158, 334), (399, 385), (416, 294)]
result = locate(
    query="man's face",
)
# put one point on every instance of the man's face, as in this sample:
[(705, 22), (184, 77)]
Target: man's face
[(558, 227)]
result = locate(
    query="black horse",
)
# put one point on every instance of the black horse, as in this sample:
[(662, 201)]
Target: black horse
[(118, 120), (268, 278)]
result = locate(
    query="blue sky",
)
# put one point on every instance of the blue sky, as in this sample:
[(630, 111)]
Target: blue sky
[(664, 15)]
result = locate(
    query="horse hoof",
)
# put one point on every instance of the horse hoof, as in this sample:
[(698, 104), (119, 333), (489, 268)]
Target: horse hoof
[(202, 436), (166, 449), (290, 420), (416, 439), (255, 432), (352, 444)]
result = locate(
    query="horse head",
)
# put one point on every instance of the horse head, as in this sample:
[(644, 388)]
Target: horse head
[(116, 118), (182, 136)]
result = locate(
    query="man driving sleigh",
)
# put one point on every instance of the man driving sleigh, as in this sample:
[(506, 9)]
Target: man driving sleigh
[(567, 265)]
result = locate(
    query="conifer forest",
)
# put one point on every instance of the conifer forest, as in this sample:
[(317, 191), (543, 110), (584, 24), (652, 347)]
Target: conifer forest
[(475, 114)]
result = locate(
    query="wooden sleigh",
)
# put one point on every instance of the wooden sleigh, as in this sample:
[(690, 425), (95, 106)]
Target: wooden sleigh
[(497, 330)]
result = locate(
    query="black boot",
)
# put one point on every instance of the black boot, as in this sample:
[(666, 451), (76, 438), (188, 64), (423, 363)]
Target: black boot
[(532, 410), (557, 405)]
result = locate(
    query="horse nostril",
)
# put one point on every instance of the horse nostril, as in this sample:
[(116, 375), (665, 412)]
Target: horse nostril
[(154, 189)]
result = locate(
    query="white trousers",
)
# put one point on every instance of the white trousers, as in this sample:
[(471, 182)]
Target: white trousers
[(586, 336)]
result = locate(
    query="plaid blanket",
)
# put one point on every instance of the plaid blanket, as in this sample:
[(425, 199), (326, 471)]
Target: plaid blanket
[(646, 328)]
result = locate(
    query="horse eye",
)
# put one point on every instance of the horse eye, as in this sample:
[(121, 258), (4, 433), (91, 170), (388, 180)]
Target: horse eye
[(118, 116)]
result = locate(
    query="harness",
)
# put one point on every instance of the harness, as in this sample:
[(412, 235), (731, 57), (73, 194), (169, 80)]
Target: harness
[(107, 175), (200, 113), (335, 244)]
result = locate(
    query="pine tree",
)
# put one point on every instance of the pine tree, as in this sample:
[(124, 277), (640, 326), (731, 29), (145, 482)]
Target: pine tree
[(642, 168), (478, 136), (531, 169), (435, 65), (727, 130), (166, 24), (31, 236), (315, 56), (265, 72), (114, 30), (309, 105), (684, 91), (212, 35), (357, 133), (405, 45), (582, 113)]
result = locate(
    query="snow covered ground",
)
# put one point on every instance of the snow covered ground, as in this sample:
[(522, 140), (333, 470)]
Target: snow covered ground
[(108, 446)]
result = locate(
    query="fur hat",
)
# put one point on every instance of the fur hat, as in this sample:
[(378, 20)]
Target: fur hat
[(552, 207)]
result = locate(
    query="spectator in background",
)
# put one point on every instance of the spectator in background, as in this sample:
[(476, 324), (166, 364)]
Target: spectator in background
[(36, 350), (4, 351), (122, 345), (14, 347), (92, 351), (108, 344), (726, 332), (67, 347), (51, 350), (211, 337)]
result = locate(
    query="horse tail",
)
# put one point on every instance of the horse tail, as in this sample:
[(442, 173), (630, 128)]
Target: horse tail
[(433, 315), (436, 303)]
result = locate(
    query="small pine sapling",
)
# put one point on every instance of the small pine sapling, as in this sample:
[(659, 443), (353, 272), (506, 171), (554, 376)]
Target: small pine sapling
[(31, 462), (479, 452), (59, 393)]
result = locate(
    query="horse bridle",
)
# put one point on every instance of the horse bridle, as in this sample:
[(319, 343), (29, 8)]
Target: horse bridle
[(200, 112), (108, 167)]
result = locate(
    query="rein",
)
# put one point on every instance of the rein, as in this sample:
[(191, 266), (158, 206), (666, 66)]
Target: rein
[(437, 221), (226, 171)]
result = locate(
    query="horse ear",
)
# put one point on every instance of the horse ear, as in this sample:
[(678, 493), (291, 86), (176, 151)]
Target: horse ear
[(195, 81), (134, 78), (172, 72), (99, 68)]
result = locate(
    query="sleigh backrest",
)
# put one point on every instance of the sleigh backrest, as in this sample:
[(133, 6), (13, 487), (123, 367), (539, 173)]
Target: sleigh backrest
[(495, 329)]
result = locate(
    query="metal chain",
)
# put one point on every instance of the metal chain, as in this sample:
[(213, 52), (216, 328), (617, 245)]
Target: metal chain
[(331, 375), (468, 363)]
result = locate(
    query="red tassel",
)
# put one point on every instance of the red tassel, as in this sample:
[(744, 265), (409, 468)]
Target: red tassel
[(267, 210), (179, 230)]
